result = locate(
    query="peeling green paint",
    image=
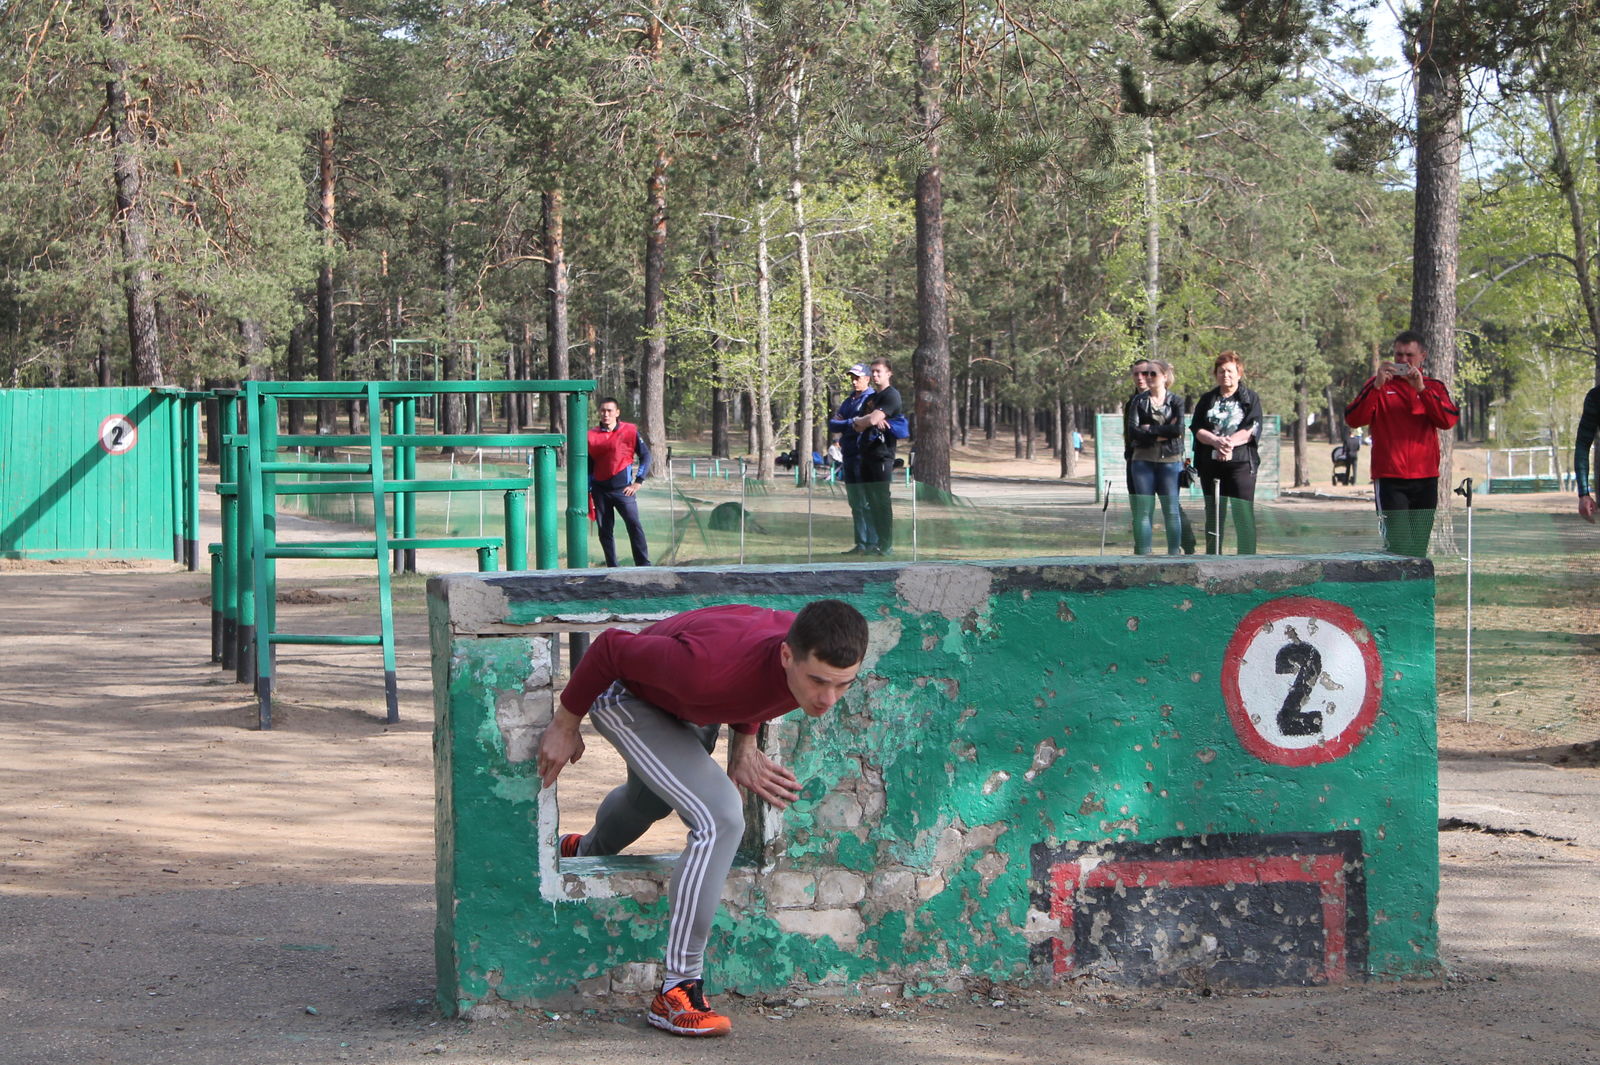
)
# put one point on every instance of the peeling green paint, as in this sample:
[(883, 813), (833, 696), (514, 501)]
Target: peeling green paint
[(1004, 710)]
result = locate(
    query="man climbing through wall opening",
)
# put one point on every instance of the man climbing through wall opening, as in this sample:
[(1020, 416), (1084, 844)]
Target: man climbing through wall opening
[(660, 696)]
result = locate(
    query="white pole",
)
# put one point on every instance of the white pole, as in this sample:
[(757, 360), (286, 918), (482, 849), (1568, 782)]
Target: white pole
[(913, 485), (1465, 489), (1105, 516), (810, 482)]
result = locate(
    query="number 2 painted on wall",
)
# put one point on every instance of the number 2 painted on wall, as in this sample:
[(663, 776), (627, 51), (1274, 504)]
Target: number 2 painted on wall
[(118, 434), (1305, 662)]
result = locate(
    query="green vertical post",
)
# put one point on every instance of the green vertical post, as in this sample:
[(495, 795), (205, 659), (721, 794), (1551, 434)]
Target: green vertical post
[(191, 477), (228, 489), (546, 510), (216, 602), (168, 406), (517, 529), (250, 533), (380, 532), (264, 517), (577, 480), (407, 469)]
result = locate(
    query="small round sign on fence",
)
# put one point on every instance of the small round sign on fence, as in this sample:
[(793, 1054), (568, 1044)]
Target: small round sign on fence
[(118, 434), (1302, 680)]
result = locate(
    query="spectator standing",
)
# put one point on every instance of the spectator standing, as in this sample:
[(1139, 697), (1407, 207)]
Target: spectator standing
[(1227, 431), (866, 538), (1154, 431), (1406, 411), (878, 430), (1588, 425), (614, 480)]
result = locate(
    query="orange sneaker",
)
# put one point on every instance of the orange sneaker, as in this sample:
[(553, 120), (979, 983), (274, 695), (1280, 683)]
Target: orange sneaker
[(568, 844), (683, 1011)]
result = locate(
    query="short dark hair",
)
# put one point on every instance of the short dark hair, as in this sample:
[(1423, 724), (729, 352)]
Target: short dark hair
[(1411, 336), (831, 630), (603, 400), (885, 364)]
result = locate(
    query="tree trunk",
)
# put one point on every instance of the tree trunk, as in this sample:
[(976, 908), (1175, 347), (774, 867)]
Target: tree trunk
[(327, 369), (295, 370), (711, 269), (1582, 265), (452, 407), (1302, 476), (1069, 429), (556, 289), (254, 343), (805, 438), (931, 362), (653, 374), (1437, 224), (1152, 244), (132, 219)]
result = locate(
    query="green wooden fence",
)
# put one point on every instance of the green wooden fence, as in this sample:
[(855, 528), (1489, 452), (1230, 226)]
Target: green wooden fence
[(99, 473)]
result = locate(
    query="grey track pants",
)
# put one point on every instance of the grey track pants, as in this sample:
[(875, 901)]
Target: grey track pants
[(670, 768)]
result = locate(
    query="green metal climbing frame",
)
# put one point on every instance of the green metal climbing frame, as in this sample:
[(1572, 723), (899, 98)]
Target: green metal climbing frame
[(245, 624)]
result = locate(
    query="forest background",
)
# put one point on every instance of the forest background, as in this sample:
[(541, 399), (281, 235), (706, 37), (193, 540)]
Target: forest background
[(713, 207)]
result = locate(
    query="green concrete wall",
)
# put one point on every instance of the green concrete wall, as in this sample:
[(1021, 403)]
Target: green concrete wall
[(1048, 768)]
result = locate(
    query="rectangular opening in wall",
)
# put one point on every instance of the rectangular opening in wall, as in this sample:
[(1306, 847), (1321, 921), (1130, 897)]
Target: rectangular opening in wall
[(586, 784)]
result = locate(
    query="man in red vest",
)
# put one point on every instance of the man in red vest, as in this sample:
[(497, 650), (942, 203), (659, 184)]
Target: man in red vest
[(613, 480)]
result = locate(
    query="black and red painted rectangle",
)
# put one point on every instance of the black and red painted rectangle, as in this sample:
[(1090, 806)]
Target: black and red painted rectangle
[(1227, 910)]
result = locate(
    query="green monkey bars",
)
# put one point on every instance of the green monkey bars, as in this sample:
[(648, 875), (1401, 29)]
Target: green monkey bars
[(245, 632)]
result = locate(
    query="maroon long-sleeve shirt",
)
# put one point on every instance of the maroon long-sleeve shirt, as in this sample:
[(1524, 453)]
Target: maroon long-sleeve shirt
[(719, 665)]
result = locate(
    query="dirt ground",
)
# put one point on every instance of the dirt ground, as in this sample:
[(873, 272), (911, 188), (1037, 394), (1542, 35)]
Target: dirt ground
[(176, 886)]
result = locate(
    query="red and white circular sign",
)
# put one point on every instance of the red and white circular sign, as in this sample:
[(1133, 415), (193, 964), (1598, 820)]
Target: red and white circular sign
[(118, 434), (1302, 679)]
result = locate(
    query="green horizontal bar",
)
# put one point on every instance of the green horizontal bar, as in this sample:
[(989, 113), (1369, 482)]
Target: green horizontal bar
[(331, 641), (391, 389), (465, 484), (316, 467), (448, 541), (426, 440), (323, 551)]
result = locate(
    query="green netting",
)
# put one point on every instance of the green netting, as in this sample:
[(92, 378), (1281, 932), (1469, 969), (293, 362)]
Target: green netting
[(1535, 571)]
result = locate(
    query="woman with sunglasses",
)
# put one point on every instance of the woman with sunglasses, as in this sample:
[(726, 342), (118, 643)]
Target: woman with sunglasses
[(1226, 425), (1155, 431)]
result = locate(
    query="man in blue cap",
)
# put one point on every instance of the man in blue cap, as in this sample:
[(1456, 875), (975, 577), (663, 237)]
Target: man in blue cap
[(850, 446)]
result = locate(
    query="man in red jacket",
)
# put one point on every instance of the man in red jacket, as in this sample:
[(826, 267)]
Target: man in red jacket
[(614, 480), (660, 696), (1406, 412)]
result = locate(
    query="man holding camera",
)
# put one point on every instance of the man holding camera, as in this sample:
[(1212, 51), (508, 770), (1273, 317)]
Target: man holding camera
[(1406, 411)]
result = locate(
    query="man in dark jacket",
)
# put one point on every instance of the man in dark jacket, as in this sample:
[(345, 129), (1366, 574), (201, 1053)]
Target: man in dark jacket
[(850, 448), (875, 442)]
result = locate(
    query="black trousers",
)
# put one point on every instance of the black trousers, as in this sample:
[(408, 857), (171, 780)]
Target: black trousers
[(1406, 506), (876, 473), (608, 503), (1235, 482)]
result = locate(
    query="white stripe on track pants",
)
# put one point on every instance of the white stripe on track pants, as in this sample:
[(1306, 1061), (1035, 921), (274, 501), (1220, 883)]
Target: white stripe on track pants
[(673, 759)]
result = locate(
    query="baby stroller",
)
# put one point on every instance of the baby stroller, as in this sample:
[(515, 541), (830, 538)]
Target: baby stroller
[(1344, 461)]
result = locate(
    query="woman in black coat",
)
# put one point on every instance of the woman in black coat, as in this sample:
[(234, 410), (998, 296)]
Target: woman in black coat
[(1227, 434)]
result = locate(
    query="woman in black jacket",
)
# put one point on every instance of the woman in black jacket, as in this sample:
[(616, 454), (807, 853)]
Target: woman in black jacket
[(1227, 433), (1155, 432)]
